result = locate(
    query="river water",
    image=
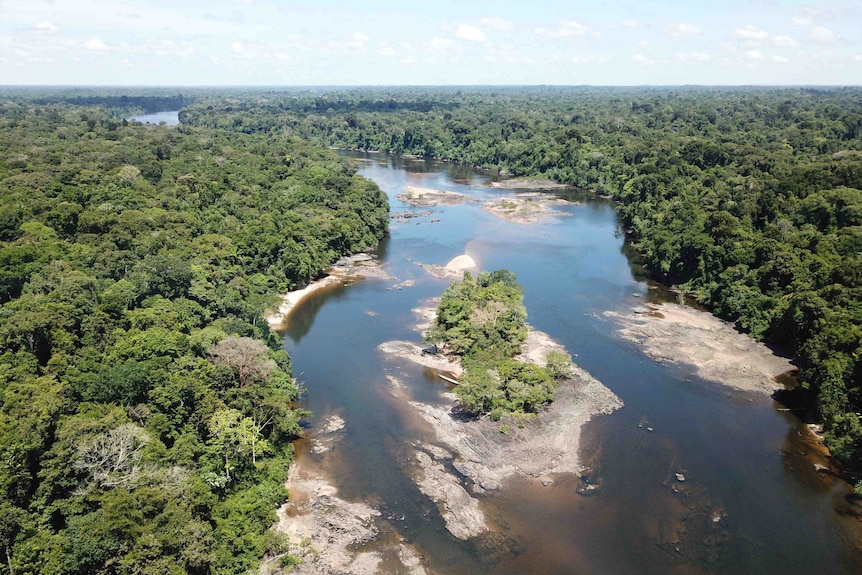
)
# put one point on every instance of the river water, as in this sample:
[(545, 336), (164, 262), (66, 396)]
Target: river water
[(751, 502), (171, 118)]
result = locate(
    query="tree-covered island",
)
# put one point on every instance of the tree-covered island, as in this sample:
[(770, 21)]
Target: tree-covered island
[(482, 320)]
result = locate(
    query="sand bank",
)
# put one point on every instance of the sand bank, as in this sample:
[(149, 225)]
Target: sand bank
[(347, 268), (713, 347), (426, 197), (525, 208), (528, 184), (453, 270)]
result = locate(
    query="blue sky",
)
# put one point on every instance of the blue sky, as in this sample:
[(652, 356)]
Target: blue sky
[(273, 42)]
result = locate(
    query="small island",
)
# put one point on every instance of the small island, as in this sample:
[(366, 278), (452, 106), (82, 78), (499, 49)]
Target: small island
[(519, 401), (483, 321)]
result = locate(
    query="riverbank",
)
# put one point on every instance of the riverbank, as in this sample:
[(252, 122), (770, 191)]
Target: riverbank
[(714, 349), (353, 267), (325, 530)]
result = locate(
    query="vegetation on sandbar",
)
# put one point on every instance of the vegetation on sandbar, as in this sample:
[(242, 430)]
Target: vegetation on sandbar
[(483, 320)]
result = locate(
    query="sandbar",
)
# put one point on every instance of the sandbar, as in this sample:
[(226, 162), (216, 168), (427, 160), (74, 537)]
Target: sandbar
[(711, 346), (426, 197), (525, 208)]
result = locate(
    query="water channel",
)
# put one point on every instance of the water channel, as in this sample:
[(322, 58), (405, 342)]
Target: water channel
[(751, 503)]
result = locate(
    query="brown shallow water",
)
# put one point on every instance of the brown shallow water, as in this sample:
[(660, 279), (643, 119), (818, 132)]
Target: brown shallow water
[(751, 500)]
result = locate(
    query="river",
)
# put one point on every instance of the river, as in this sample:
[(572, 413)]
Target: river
[(170, 118), (751, 502)]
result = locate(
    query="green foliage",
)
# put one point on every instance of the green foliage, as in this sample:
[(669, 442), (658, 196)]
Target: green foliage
[(559, 364), (747, 198), (484, 321), (145, 408)]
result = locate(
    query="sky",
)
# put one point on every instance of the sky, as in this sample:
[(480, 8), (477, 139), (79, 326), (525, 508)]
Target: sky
[(464, 42)]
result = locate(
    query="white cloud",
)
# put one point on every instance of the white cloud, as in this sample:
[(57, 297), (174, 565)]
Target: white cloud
[(858, 57), (439, 43), (750, 33), (682, 30), (754, 55), (357, 40), (384, 49), (46, 26), (631, 23), (566, 29), (784, 41), (170, 48), (801, 21), (95, 44), (780, 59), (496, 23), (641, 59), (589, 58), (823, 35), (469, 33), (693, 57), (239, 49)]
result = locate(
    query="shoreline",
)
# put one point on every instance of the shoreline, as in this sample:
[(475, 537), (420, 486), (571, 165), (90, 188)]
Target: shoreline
[(361, 265), (291, 299), (672, 333), (485, 453), (329, 534)]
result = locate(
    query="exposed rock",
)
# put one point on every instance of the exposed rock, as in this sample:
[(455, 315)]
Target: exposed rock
[(525, 209), (461, 512), (528, 184), (453, 270), (425, 197), (678, 334), (413, 352), (322, 527)]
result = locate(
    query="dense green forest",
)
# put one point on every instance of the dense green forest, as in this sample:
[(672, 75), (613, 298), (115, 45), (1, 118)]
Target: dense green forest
[(748, 199), (483, 321), (145, 406)]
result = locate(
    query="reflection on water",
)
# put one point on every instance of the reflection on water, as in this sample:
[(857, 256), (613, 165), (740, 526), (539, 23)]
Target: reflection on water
[(749, 501), (300, 324)]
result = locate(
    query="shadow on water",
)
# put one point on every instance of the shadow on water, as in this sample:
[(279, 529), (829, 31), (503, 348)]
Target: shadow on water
[(689, 477), (298, 325)]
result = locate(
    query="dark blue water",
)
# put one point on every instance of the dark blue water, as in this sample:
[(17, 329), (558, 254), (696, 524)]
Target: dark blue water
[(751, 502)]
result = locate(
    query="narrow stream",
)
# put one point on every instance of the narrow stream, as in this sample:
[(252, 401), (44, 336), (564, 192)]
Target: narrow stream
[(751, 502)]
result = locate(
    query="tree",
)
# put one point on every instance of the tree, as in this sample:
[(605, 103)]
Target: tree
[(235, 437), (248, 357), (113, 458)]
